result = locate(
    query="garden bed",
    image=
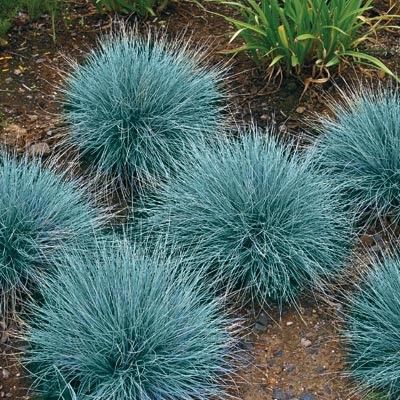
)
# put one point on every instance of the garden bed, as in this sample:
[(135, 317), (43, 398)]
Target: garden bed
[(296, 354)]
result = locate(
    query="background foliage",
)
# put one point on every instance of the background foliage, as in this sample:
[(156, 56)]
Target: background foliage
[(298, 34), (142, 8)]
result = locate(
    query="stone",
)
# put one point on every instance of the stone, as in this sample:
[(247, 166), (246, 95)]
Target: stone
[(5, 373), (263, 319), (307, 396), (279, 394), (259, 327), (320, 370), (278, 353), (300, 110), (289, 368), (305, 342)]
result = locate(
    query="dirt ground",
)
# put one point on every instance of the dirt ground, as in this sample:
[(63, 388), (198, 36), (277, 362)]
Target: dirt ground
[(296, 355)]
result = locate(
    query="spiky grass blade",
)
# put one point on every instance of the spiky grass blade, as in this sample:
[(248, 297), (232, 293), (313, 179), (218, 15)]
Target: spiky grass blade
[(40, 213), (137, 101), (372, 330), (119, 324), (360, 149), (260, 216)]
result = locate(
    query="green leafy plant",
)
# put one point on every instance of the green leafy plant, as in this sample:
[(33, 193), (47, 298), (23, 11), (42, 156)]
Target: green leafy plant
[(138, 101), (117, 324), (40, 213), (260, 219), (8, 10), (372, 331), (142, 8), (5, 25), (34, 8), (295, 34), (359, 148)]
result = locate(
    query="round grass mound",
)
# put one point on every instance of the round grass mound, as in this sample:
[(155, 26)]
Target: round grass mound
[(136, 102), (119, 324), (372, 330), (360, 150), (40, 214), (255, 215)]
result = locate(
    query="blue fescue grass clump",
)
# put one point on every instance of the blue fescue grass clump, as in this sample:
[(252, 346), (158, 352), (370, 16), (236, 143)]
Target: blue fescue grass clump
[(257, 216), (120, 324), (360, 149), (40, 213), (372, 330), (137, 101)]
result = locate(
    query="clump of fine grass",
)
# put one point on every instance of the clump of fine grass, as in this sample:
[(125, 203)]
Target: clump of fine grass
[(121, 324), (137, 101), (40, 214), (372, 330), (360, 150), (258, 217)]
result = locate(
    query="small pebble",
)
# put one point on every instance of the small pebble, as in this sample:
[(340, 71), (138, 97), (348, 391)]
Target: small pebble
[(289, 368), (263, 319), (305, 342), (278, 353), (259, 327), (279, 394), (6, 373), (300, 110), (246, 345), (307, 396), (320, 370), (33, 117)]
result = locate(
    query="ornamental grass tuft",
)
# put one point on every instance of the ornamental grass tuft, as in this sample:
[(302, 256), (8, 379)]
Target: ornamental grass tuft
[(372, 330), (137, 101), (360, 150), (254, 214), (40, 213), (120, 324)]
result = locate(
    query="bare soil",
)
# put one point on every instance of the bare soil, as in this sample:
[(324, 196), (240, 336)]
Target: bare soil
[(296, 354)]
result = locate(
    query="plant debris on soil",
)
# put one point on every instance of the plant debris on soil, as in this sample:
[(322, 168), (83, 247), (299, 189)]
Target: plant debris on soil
[(296, 354)]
